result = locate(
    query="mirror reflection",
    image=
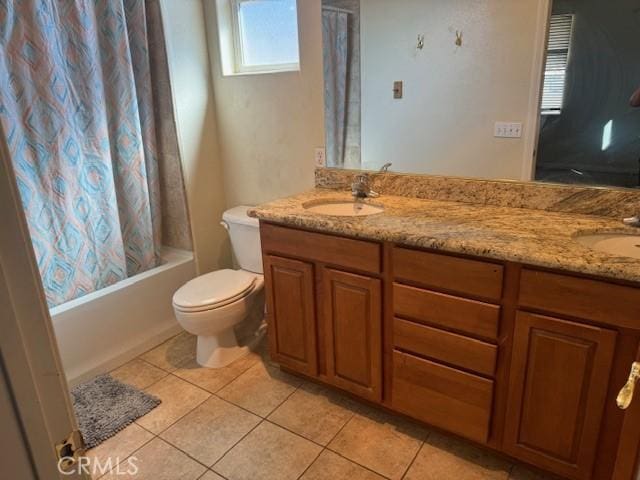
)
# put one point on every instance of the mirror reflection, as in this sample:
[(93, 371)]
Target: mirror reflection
[(527, 90)]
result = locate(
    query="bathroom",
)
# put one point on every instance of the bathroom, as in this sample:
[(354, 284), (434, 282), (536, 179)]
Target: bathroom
[(355, 238)]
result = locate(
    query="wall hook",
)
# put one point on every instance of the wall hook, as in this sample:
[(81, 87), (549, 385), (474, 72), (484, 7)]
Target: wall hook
[(420, 44), (459, 38)]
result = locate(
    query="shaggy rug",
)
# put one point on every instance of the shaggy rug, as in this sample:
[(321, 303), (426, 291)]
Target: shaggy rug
[(104, 406)]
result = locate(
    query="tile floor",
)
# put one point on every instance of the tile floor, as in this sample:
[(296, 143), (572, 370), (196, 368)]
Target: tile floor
[(250, 421)]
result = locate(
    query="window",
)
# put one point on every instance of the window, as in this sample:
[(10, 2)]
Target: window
[(555, 71), (262, 36)]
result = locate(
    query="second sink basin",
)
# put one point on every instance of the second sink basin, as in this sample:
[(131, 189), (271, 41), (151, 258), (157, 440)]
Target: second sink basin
[(344, 208), (620, 244)]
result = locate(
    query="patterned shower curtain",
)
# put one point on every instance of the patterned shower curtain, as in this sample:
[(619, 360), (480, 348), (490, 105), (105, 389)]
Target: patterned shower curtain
[(76, 111), (335, 34)]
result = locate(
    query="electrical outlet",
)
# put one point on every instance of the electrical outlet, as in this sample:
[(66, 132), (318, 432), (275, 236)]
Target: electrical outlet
[(319, 159), (508, 130)]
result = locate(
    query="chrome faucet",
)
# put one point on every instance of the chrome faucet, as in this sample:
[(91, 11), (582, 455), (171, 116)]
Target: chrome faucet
[(361, 188), (385, 168)]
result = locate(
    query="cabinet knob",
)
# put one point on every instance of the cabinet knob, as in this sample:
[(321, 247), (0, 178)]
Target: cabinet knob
[(626, 393)]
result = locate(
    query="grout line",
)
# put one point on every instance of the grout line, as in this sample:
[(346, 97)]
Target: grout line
[(406, 470), (180, 417), (295, 433), (311, 463), (235, 444), (128, 456), (185, 452), (356, 463), (219, 389)]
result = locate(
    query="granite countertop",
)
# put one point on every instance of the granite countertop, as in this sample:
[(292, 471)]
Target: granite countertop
[(532, 237)]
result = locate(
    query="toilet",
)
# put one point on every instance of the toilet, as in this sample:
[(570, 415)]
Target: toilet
[(215, 305)]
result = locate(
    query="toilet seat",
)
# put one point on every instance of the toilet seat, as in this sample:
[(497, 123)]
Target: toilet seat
[(214, 290)]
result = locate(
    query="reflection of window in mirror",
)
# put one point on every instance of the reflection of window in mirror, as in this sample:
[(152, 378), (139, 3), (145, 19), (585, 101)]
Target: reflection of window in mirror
[(341, 52), (555, 70), (589, 134)]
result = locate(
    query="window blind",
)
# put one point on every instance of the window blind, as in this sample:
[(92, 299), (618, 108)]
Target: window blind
[(555, 71)]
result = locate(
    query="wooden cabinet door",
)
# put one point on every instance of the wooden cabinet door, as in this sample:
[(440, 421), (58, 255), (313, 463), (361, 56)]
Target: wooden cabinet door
[(353, 318), (291, 313), (557, 389)]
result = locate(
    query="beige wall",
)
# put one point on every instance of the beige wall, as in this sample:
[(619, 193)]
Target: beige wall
[(270, 124), (188, 54), (452, 96)]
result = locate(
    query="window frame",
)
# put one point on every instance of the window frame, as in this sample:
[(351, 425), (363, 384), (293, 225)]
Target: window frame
[(239, 66), (557, 51)]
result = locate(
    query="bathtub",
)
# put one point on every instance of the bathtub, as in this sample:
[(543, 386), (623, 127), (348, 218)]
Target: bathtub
[(104, 329)]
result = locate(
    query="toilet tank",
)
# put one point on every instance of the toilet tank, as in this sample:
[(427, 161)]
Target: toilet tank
[(245, 238)]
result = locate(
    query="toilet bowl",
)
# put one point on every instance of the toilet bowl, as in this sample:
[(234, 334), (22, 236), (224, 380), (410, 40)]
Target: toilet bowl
[(212, 306)]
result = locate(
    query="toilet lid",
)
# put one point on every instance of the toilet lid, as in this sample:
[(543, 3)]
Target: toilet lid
[(214, 289)]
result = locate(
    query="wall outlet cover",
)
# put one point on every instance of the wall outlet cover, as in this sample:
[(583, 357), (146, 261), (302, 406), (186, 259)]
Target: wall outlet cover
[(508, 130), (319, 158)]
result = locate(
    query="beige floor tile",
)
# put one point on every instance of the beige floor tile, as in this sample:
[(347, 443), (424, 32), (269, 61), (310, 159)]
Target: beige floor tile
[(379, 441), (213, 379), (446, 457), (112, 451), (178, 398), (315, 412), (174, 352), (158, 460), (210, 430), (210, 475), (330, 466), (138, 373), (261, 389), (520, 472), (268, 453)]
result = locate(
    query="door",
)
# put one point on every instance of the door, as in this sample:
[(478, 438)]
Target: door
[(31, 368), (557, 389), (291, 313), (353, 315)]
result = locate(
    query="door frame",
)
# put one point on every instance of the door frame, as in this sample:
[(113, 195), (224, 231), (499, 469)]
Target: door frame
[(28, 350), (532, 125)]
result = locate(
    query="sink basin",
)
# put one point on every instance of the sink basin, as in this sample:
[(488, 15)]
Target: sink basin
[(620, 244), (344, 209)]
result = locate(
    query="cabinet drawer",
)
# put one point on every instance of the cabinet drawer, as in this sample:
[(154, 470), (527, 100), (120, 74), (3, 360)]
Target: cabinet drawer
[(447, 347), (444, 397), (455, 313), (329, 249), (580, 297), (455, 274)]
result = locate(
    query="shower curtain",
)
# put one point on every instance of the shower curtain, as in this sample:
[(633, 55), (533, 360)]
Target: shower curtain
[(335, 35), (77, 112)]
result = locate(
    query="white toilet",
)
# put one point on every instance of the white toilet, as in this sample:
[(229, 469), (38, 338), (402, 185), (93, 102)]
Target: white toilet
[(213, 306)]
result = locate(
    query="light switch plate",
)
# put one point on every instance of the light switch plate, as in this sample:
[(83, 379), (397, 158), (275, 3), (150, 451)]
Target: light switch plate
[(319, 158), (398, 89), (508, 130)]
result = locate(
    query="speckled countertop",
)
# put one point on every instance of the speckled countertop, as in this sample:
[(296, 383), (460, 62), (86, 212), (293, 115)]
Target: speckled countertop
[(533, 237)]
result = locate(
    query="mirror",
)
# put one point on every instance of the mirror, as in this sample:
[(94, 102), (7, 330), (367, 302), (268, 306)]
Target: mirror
[(523, 90)]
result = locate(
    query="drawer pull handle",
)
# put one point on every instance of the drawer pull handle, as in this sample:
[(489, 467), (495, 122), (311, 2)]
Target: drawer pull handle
[(626, 393)]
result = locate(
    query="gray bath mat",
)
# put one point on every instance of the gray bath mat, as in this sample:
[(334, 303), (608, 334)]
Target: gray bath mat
[(104, 406)]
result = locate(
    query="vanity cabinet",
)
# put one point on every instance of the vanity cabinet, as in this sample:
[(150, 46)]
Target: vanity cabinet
[(557, 390), (353, 321), (522, 360), (324, 307), (291, 306)]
